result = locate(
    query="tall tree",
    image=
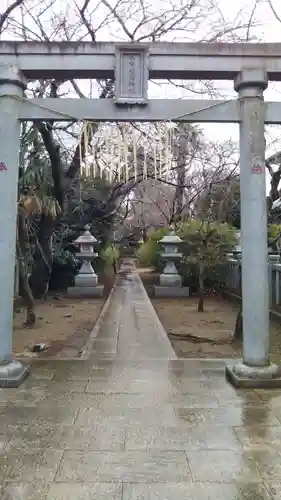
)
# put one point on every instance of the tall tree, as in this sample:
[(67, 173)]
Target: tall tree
[(205, 245), (86, 20)]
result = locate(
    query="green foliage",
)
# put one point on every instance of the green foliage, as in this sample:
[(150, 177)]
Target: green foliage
[(149, 252), (96, 208), (64, 269), (206, 244), (158, 234), (205, 247), (67, 259), (109, 255), (273, 231)]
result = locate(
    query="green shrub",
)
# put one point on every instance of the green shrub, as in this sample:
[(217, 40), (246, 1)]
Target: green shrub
[(110, 255), (149, 252), (273, 231), (64, 269), (67, 259), (205, 248)]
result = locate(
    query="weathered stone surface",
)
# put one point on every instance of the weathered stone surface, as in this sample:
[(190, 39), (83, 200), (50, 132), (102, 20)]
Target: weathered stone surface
[(132, 422), (171, 291), (170, 280), (86, 290), (93, 491), (12, 374), (198, 491), (244, 377), (127, 467)]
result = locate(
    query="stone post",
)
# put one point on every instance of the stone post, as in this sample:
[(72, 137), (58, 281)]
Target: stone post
[(11, 88), (255, 370)]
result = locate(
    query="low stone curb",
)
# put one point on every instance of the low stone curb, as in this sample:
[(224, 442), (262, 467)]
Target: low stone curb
[(91, 340)]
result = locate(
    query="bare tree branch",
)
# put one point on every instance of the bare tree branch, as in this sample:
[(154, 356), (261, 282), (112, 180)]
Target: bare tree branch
[(113, 10), (5, 15), (276, 15)]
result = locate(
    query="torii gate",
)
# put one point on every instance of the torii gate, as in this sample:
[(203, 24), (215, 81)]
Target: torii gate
[(249, 65)]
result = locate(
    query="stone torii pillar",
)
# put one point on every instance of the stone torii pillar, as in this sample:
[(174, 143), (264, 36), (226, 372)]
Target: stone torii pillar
[(11, 88), (256, 369)]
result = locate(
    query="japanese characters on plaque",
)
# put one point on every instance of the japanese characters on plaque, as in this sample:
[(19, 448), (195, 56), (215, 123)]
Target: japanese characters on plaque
[(132, 89), (131, 74)]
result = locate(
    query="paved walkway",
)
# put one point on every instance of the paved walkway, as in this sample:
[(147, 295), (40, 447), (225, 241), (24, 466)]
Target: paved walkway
[(134, 423)]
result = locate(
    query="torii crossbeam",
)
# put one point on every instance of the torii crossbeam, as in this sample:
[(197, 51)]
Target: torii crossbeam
[(131, 65)]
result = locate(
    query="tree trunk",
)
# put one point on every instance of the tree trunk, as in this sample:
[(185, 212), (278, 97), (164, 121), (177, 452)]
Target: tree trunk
[(180, 174), (144, 235), (179, 193), (22, 254), (201, 289), (26, 293), (43, 259), (238, 330)]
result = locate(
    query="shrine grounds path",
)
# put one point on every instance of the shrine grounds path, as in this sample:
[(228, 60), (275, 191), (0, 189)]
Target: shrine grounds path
[(133, 422)]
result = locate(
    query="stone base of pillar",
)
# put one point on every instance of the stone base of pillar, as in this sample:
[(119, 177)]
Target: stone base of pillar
[(86, 280), (12, 374), (170, 280), (85, 292), (244, 376), (171, 291)]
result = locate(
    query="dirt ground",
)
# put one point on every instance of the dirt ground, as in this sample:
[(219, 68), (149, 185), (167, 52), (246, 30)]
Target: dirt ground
[(63, 324), (181, 318)]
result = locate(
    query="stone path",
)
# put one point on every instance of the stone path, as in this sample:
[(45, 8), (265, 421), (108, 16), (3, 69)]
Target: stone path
[(131, 329), (134, 423)]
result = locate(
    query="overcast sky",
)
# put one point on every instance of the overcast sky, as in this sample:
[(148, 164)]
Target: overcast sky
[(267, 29)]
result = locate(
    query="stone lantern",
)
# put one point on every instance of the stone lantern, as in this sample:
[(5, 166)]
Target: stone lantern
[(170, 255), (86, 275), (86, 281), (170, 280)]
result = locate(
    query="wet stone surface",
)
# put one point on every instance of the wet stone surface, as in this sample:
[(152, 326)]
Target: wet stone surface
[(132, 422)]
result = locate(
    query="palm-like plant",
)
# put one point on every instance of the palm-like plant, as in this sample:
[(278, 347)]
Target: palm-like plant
[(34, 199)]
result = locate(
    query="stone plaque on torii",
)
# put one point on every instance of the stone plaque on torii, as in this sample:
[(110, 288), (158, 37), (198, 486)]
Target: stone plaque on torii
[(250, 66), (131, 75)]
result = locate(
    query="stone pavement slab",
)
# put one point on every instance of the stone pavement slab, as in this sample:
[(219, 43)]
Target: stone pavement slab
[(132, 422), (195, 491)]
